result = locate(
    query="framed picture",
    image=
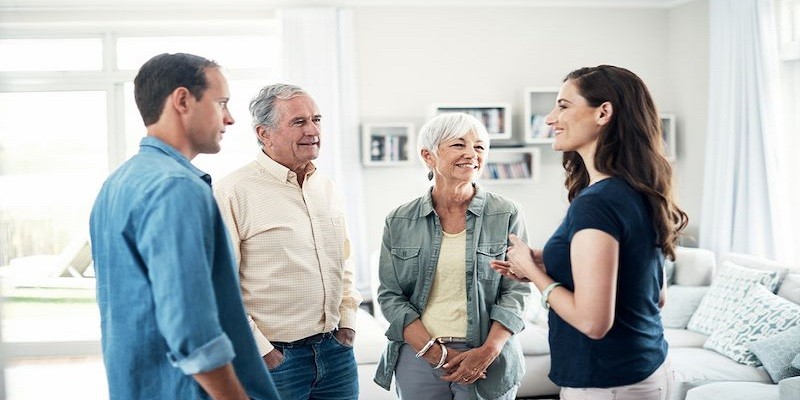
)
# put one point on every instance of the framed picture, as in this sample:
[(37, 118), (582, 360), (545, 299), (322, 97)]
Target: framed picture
[(537, 103), (496, 117), (387, 144), (668, 135)]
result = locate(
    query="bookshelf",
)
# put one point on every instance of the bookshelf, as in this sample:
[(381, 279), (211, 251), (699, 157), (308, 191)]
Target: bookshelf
[(387, 144), (668, 135), (496, 117), (537, 103), (512, 165)]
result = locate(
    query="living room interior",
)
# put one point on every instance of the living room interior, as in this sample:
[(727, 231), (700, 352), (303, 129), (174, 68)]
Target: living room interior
[(725, 76)]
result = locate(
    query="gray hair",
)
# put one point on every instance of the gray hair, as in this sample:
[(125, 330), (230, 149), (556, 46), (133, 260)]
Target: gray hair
[(262, 107), (448, 126)]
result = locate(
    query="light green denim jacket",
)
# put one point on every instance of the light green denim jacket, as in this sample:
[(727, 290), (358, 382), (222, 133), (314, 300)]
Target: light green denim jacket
[(412, 238)]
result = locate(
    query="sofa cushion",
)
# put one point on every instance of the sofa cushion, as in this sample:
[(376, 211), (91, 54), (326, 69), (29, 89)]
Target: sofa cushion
[(370, 338), (682, 301), (693, 266), (695, 367), (734, 391), (684, 338), (759, 263), (796, 361), (534, 340), (776, 352), (727, 290), (759, 315), (789, 388), (790, 288)]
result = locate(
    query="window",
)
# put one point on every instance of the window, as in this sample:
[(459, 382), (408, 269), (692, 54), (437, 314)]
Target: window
[(67, 118)]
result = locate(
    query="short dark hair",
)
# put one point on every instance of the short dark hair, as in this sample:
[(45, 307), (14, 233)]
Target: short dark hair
[(164, 73)]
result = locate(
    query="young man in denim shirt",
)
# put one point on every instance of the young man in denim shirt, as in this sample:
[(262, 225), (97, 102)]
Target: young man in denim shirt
[(173, 322)]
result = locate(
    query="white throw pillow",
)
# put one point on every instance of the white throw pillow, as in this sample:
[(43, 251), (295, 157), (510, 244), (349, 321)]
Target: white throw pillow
[(761, 314), (726, 292)]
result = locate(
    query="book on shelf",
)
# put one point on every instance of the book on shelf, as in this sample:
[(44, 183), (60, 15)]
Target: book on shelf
[(502, 171), (388, 148), (492, 118)]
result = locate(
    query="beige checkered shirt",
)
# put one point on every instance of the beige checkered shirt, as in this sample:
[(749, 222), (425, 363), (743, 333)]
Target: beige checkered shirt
[(291, 247)]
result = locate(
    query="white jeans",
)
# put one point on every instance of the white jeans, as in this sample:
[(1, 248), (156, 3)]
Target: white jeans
[(655, 387)]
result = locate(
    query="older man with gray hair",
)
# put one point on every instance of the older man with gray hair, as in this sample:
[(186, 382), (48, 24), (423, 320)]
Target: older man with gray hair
[(290, 241)]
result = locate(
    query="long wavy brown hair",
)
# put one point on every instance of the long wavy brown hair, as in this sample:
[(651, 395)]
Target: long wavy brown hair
[(629, 147)]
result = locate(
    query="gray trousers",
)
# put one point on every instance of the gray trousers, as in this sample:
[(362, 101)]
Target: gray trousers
[(417, 380)]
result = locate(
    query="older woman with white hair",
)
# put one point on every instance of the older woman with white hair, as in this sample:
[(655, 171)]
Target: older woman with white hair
[(452, 319)]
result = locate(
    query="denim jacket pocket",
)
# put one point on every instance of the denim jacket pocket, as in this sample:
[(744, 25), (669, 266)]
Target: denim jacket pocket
[(406, 262), (487, 253)]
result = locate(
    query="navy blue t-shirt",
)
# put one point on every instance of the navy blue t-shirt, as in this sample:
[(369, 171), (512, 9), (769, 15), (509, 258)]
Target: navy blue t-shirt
[(634, 347)]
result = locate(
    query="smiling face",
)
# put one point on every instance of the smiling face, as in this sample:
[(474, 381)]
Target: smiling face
[(295, 141), (209, 115), (458, 159), (576, 123)]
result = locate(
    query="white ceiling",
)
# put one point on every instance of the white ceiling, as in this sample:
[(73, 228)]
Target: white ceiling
[(106, 4)]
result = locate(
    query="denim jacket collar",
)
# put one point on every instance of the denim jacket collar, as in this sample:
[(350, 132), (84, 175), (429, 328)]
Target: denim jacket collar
[(475, 205)]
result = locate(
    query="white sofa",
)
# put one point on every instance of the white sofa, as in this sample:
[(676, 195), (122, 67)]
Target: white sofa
[(703, 374)]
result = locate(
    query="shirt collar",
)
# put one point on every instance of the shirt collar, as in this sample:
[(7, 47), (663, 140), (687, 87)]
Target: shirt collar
[(475, 205), (277, 170), (158, 144)]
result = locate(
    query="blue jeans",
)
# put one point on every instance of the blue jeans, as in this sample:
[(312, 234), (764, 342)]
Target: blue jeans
[(325, 370)]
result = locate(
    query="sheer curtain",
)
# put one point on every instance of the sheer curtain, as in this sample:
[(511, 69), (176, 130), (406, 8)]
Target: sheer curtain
[(318, 55), (744, 195)]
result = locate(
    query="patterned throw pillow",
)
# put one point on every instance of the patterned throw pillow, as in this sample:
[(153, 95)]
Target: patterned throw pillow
[(761, 314), (796, 362), (776, 352), (726, 292)]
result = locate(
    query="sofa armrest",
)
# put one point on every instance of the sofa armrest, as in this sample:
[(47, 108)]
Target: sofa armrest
[(789, 388)]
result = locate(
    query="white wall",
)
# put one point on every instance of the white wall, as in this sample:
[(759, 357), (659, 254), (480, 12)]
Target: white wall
[(688, 74), (411, 57)]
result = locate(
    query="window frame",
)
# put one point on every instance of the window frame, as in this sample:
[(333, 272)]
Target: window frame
[(108, 26)]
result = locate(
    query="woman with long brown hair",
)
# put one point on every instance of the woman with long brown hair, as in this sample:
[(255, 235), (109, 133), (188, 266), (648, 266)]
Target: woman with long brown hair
[(601, 273)]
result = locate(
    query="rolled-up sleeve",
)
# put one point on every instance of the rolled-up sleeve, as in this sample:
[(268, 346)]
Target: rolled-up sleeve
[(218, 351), (514, 296), (175, 240)]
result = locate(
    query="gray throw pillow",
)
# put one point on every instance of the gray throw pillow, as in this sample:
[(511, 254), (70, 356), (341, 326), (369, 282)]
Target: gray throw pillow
[(796, 361), (776, 353), (682, 301), (669, 271)]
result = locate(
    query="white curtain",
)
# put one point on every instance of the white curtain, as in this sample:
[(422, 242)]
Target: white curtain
[(318, 55), (743, 197)]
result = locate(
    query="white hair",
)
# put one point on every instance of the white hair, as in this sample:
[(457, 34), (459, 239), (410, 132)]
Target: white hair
[(448, 126)]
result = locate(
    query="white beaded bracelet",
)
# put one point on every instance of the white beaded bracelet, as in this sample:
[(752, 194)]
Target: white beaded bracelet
[(546, 294)]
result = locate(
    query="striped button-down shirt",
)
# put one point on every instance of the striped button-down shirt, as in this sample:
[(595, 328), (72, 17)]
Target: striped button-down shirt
[(291, 247)]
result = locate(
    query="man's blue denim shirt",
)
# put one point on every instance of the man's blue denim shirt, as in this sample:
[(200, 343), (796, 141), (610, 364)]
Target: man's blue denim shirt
[(167, 287)]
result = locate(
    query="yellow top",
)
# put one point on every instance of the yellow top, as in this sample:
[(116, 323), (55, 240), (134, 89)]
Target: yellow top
[(446, 311)]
